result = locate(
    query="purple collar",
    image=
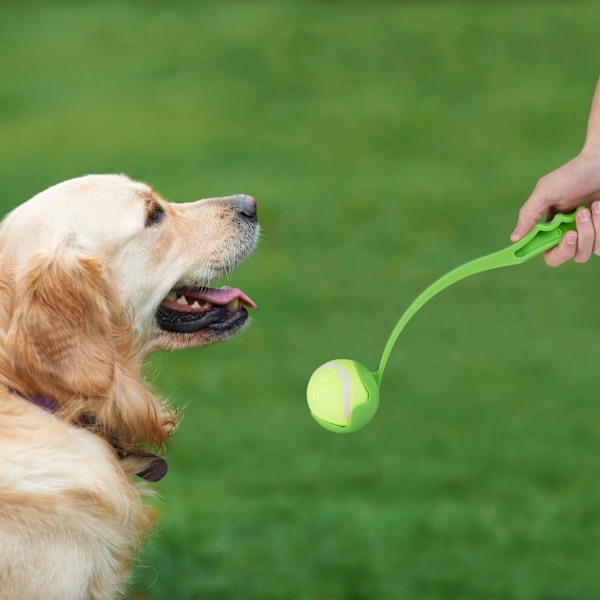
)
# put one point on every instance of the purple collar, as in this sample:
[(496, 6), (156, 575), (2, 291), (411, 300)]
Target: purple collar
[(155, 470), (41, 401)]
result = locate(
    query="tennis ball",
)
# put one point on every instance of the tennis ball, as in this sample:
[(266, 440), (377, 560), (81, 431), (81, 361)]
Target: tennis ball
[(342, 395)]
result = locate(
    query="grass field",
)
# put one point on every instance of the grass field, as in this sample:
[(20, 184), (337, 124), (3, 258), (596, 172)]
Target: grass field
[(386, 143)]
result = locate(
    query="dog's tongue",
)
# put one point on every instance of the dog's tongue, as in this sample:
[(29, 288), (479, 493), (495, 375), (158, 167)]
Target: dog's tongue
[(222, 296)]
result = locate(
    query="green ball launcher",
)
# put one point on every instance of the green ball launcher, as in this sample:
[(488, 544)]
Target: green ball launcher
[(343, 395)]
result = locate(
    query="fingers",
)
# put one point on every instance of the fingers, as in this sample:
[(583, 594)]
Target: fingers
[(585, 236), (581, 244), (563, 252), (596, 224)]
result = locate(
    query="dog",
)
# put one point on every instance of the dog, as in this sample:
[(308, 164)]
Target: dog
[(95, 274)]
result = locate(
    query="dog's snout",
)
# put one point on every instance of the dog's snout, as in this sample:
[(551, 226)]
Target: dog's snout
[(246, 207)]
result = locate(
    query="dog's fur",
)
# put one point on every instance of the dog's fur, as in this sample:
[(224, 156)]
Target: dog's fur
[(84, 267)]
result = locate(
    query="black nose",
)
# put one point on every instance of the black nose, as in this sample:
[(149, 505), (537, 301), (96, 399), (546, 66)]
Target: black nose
[(246, 207)]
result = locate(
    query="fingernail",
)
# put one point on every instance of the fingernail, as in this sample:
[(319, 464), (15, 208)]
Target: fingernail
[(596, 208), (583, 216), (514, 236), (571, 238)]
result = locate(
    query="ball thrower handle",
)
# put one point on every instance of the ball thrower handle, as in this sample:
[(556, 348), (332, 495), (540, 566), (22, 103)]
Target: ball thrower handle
[(543, 237)]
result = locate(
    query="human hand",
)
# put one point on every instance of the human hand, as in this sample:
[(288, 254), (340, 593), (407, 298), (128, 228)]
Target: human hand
[(574, 184)]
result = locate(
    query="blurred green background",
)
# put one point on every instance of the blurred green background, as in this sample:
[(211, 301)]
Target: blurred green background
[(386, 143)]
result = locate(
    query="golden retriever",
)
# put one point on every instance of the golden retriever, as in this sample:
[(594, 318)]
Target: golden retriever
[(96, 273)]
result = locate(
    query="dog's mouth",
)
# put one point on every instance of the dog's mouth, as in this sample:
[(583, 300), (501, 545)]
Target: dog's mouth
[(191, 310)]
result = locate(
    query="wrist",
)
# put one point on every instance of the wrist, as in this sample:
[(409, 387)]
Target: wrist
[(592, 135)]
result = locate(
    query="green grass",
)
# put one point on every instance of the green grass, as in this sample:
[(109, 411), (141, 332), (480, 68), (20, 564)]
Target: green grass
[(386, 143)]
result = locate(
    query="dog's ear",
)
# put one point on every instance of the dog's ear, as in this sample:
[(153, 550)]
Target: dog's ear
[(60, 335)]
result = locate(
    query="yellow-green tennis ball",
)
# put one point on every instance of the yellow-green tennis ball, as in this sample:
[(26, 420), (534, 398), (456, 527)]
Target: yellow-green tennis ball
[(342, 395)]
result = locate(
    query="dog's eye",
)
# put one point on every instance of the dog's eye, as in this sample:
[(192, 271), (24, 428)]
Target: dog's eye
[(155, 213)]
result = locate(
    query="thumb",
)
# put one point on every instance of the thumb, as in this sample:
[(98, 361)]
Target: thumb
[(529, 215), (524, 225)]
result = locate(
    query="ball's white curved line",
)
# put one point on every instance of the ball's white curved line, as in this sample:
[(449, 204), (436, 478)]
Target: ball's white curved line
[(346, 387)]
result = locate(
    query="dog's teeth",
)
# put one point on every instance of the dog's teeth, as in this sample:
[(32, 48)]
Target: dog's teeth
[(182, 300), (234, 304), (195, 305), (172, 295)]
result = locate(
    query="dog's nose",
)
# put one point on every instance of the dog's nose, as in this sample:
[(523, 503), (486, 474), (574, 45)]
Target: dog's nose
[(246, 207)]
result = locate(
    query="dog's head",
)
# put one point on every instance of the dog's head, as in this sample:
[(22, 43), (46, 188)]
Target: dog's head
[(158, 258), (97, 272)]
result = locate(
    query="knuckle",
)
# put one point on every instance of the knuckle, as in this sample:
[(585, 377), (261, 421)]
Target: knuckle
[(540, 183), (586, 234)]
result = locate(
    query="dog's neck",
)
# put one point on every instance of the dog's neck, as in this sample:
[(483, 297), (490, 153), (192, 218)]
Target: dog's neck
[(155, 468)]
